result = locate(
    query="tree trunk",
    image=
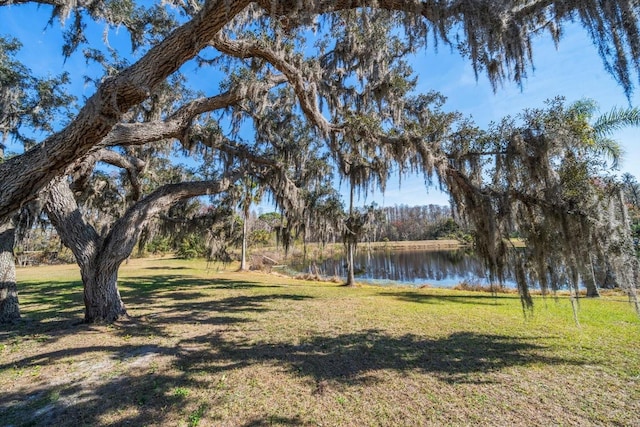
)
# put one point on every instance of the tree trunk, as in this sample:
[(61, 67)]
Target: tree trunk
[(98, 261), (350, 237), (351, 280), (243, 261), (101, 296), (9, 306), (589, 280)]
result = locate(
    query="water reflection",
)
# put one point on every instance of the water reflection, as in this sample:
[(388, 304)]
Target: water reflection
[(417, 267)]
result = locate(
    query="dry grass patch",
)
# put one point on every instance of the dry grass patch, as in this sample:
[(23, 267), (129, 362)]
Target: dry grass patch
[(210, 346)]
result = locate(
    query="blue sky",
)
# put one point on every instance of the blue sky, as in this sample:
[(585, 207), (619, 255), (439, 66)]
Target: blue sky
[(573, 70)]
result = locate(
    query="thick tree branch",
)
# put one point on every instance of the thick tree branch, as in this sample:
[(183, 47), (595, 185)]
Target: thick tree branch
[(76, 234), (175, 125), (84, 241), (81, 170), (125, 232)]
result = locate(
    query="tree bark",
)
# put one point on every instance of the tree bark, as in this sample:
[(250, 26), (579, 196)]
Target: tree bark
[(9, 306), (101, 296), (102, 300), (243, 258), (351, 279)]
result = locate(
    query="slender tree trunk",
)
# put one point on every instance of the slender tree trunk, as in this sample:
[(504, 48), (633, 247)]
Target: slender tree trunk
[(351, 245), (243, 261), (9, 306), (351, 280)]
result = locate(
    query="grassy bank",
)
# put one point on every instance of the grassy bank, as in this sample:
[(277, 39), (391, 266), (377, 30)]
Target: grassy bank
[(210, 346)]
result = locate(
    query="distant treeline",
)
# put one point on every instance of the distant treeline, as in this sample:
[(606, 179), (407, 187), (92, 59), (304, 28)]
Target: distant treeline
[(393, 223), (402, 222)]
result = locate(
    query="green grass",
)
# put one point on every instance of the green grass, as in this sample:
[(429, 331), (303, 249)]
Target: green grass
[(210, 346)]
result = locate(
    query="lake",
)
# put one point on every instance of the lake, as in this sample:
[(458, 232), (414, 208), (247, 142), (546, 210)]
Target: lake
[(444, 268)]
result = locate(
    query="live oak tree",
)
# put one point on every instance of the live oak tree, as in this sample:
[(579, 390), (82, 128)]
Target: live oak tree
[(273, 37), (100, 256), (102, 230), (100, 243)]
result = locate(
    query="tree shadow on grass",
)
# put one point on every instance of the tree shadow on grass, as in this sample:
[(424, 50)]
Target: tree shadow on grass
[(353, 358), (56, 309), (425, 298), (215, 312), (138, 285), (132, 391), (107, 397), (62, 301), (212, 312), (145, 290)]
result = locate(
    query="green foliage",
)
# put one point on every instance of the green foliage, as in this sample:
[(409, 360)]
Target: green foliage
[(192, 246), (447, 229), (159, 245), (260, 237), (27, 102)]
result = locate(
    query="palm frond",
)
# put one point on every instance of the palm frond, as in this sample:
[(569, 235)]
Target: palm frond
[(585, 107), (610, 149), (616, 119)]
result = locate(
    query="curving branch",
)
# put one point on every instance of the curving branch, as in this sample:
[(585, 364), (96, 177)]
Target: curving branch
[(117, 244), (306, 92), (177, 124), (125, 232), (81, 170)]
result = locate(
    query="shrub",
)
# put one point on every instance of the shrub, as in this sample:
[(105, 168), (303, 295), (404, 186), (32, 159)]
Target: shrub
[(191, 246)]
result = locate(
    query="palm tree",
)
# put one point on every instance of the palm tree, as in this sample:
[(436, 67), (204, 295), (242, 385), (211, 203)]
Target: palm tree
[(599, 131)]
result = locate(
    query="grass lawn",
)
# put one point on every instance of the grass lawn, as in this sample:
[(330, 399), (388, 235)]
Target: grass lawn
[(213, 347)]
